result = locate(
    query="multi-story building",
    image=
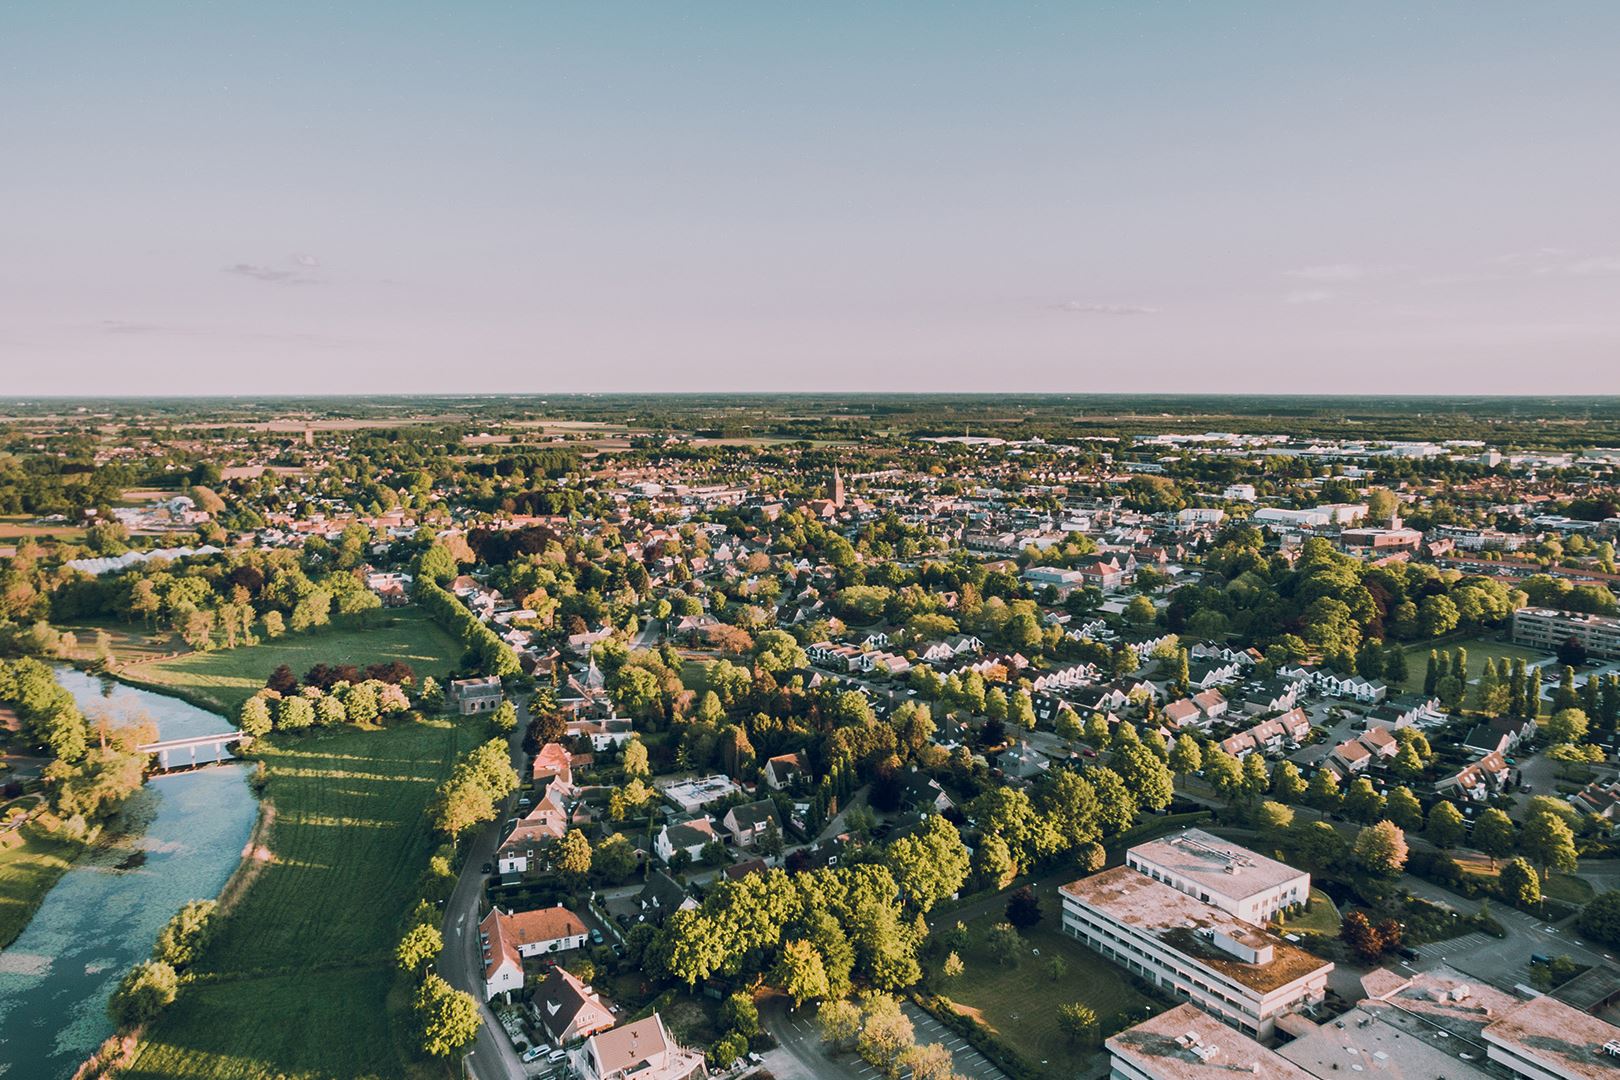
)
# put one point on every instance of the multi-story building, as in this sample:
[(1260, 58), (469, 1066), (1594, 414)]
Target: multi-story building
[(1546, 628), (643, 1050), (1238, 881), (1190, 949)]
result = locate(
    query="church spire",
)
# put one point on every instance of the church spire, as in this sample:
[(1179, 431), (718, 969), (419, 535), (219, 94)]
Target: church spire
[(835, 490)]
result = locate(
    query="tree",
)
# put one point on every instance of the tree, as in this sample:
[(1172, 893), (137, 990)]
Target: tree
[(1145, 775), (1362, 802), (634, 762), (254, 719), (953, 967), (800, 972), (1275, 817), (1600, 919), (1358, 932), (1139, 612), (294, 714), (1185, 756), (574, 854), (184, 935), (1519, 885), (840, 1023), (1286, 784), (1567, 725), (1078, 1022), (738, 1013), (614, 858), (418, 947), (505, 717), (1494, 834), (1003, 944), (1548, 839), (885, 1039), (929, 864), (1408, 764), (145, 991), (447, 1019), (1381, 849), (1323, 793), (1445, 827), (1223, 772), (931, 1062), (1403, 808), (1024, 908)]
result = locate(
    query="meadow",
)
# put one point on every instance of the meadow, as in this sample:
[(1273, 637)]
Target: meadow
[(299, 981), (1480, 649), (29, 865), (224, 678), (1020, 1002)]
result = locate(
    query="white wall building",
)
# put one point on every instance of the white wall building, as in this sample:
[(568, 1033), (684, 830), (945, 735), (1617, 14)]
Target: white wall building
[(1217, 872), (1245, 975)]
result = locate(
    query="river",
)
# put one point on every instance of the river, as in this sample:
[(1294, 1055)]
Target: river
[(186, 835)]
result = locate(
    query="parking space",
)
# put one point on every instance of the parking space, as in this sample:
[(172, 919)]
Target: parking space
[(969, 1062), (1439, 950), (801, 1055)]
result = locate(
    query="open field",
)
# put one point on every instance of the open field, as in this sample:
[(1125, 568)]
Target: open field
[(225, 678), (17, 526), (297, 982), (1479, 651), (29, 865), (1021, 1002)]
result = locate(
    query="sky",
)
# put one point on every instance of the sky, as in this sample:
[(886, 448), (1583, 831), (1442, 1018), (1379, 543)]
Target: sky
[(363, 198)]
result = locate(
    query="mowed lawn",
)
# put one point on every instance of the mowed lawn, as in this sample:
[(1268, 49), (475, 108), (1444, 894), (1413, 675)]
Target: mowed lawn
[(1021, 1002), (1479, 651), (225, 678), (297, 982)]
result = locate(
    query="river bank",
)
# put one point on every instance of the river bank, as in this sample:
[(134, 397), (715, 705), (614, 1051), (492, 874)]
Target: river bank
[(182, 837)]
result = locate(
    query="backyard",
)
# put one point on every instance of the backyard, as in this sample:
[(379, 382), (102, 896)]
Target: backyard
[(1020, 1002), (223, 679), (300, 980)]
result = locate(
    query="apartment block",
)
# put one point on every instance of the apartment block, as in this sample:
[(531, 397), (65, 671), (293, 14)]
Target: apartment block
[(1546, 628)]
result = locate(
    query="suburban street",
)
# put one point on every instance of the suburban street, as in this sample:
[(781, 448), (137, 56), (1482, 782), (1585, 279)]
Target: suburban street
[(492, 1056)]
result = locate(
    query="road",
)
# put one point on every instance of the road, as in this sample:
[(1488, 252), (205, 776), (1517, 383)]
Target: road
[(461, 963), (801, 1055)]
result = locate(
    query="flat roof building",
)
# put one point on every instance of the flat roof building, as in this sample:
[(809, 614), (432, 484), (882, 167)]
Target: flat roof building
[(1245, 975), (1240, 882), (1187, 1043), (1546, 628)]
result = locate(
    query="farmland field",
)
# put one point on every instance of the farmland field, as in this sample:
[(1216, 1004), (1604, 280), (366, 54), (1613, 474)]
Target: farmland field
[(1021, 1002), (297, 982), (225, 678)]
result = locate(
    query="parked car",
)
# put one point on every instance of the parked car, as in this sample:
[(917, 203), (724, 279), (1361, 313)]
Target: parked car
[(533, 1053), (487, 868), (596, 936)]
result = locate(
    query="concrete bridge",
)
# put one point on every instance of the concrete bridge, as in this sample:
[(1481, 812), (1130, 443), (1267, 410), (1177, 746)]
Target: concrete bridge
[(213, 750)]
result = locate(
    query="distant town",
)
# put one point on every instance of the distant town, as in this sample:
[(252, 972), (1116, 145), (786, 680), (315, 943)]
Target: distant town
[(647, 738)]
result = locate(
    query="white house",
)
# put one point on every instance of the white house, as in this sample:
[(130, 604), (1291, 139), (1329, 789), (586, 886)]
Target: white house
[(507, 937), (688, 836)]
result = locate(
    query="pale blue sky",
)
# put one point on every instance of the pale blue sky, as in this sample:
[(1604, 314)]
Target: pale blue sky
[(1289, 196)]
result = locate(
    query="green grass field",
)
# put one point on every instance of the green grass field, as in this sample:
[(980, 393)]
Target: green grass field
[(1322, 918), (1479, 651), (1021, 1002), (29, 865), (297, 982), (225, 678)]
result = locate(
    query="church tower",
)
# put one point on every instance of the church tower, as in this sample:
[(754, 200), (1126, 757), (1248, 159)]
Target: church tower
[(835, 490)]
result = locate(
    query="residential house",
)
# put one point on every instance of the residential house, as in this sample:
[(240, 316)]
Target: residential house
[(1183, 714), (748, 824), (604, 732), (643, 1050), (1207, 673), (507, 937), (1502, 734), (919, 791), (554, 762), (661, 897), (1349, 758), (1599, 799), (520, 852), (784, 770), (566, 1009), (688, 836), (1212, 703), (1479, 781), (1406, 710)]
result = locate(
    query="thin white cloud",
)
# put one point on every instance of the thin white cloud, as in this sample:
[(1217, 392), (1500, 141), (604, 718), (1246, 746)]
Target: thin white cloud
[(1081, 307), (275, 275), (1335, 272), (1308, 296)]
